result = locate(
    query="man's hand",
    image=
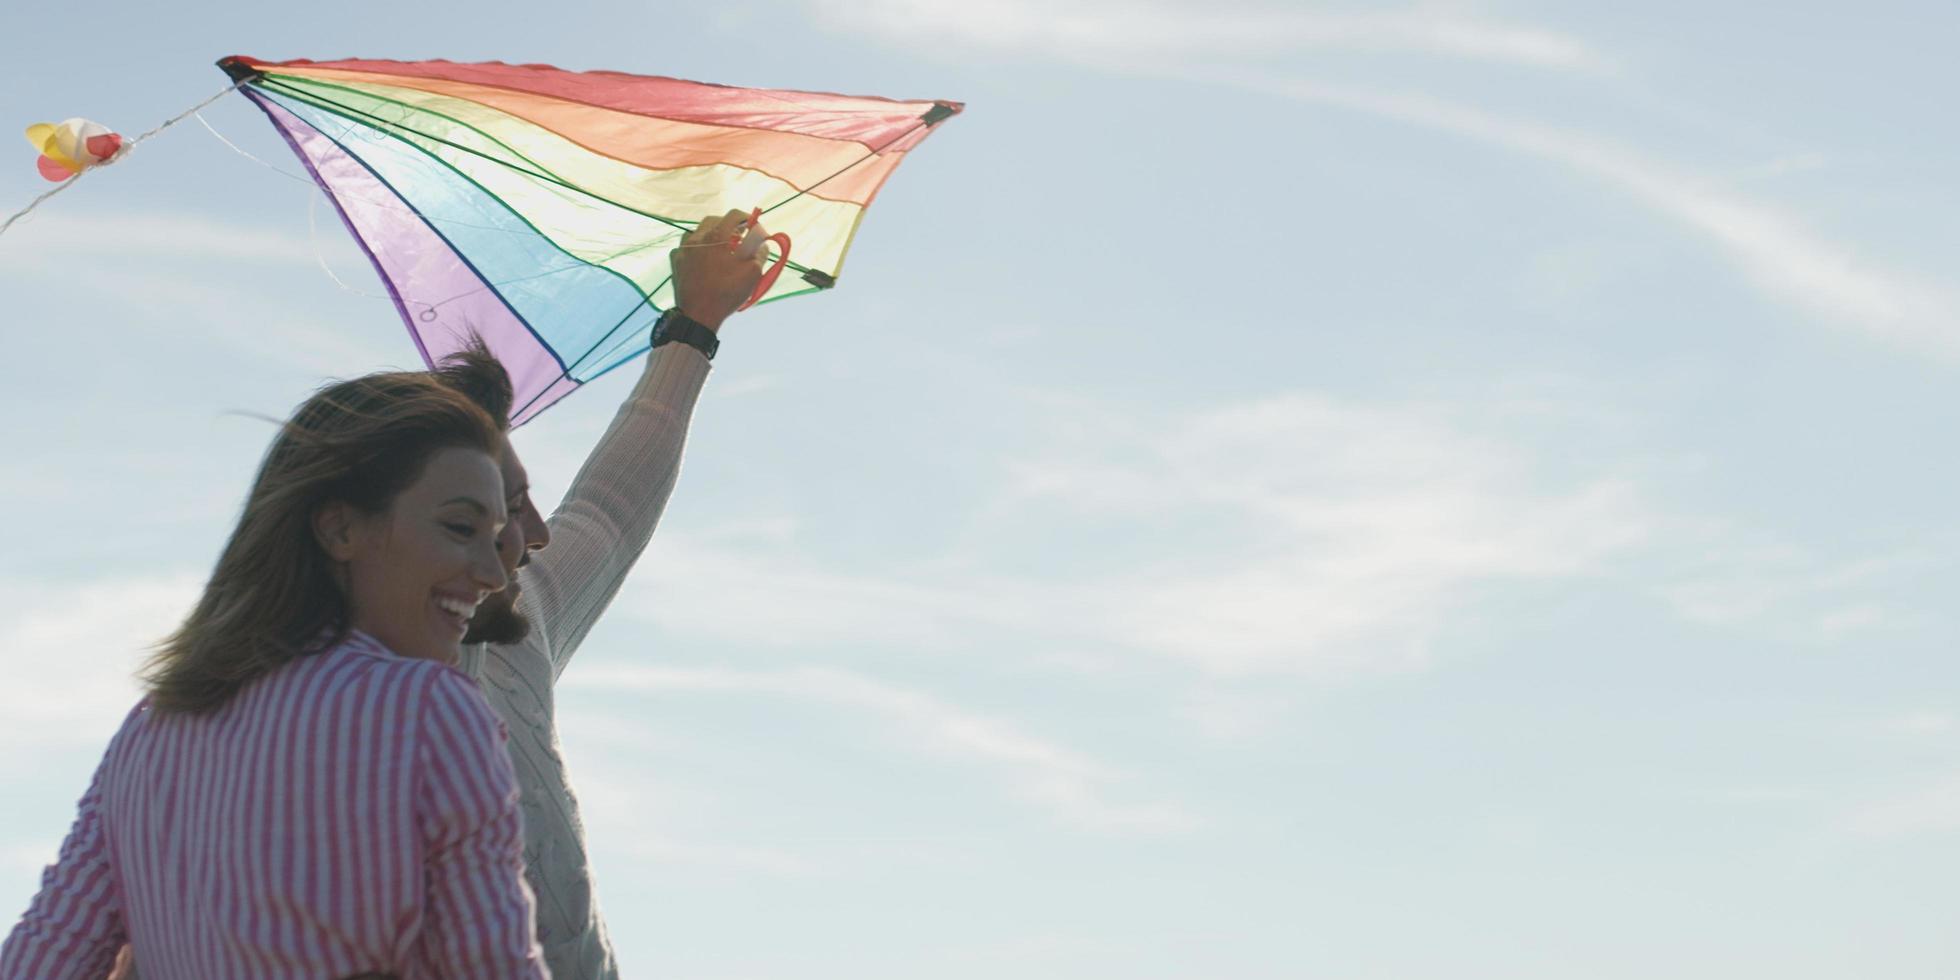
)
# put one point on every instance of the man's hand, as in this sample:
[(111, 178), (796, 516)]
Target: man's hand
[(712, 280)]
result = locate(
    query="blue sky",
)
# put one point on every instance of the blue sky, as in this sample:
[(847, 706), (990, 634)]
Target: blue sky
[(1281, 490)]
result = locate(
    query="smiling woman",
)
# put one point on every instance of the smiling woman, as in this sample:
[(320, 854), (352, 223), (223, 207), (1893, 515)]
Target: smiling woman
[(414, 573), (306, 718), (351, 506)]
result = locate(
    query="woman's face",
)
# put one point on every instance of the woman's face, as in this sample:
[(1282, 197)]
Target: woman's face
[(416, 572)]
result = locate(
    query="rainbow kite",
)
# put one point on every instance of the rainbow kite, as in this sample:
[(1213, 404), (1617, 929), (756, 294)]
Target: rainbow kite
[(535, 207)]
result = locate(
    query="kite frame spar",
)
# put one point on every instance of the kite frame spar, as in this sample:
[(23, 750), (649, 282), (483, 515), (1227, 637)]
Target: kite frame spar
[(259, 80)]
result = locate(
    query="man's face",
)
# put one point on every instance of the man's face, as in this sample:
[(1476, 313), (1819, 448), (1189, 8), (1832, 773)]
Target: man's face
[(497, 619)]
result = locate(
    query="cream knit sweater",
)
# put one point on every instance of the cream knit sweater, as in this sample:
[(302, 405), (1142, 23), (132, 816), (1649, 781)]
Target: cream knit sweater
[(597, 533)]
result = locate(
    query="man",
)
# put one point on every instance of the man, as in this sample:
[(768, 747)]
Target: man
[(521, 639)]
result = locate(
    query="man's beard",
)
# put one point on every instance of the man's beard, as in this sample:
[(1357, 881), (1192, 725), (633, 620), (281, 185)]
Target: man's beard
[(497, 621)]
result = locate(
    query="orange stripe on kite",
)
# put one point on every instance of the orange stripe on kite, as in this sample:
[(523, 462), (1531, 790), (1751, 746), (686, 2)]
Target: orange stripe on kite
[(658, 143), (868, 120)]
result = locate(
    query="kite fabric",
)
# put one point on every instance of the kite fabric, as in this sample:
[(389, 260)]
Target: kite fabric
[(535, 207)]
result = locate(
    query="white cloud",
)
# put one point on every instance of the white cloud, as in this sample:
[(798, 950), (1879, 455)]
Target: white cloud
[(628, 813), (1930, 809), (72, 652), (1772, 247), (161, 235), (746, 385), (1786, 165), (1922, 723), (1360, 528), (1228, 715), (28, 857), (1856, 617), (663, 850), (209, 277), (1737, 585), (1344, 534), (1068, 783), (22, 860), (1127, 34), (223, 306), (1775, 251), (771, 597)]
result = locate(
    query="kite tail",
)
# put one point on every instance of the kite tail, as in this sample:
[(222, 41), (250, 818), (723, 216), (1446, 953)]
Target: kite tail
[(127, 146)]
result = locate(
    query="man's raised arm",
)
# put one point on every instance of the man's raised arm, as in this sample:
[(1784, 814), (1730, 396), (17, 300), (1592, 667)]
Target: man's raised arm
[(609, 513)]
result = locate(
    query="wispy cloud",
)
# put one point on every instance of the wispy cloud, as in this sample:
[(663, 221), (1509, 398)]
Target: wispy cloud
[(1921, 723), (1343, 535), (1358, 527), (747, 385), (1074, 786), (23, 858), (765, 593), (22, 861), (1794, 591), (1109, 32), (209, 276), (635, 814), (1773, 248), (1209, 44), (224, 307), (1235, 714), (72, 652), (665, 850), (172, 236), (1930, 809)]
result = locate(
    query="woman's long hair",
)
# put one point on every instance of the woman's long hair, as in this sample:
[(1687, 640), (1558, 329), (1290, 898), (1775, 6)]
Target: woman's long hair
[(273, 596)]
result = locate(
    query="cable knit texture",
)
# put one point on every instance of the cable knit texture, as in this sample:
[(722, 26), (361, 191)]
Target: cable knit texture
[(605, 521)]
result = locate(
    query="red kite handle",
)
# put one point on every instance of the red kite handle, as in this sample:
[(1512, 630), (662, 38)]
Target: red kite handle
[(781, 239)]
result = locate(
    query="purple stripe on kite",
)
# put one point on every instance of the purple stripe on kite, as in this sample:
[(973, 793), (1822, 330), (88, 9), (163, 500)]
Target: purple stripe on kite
[(422, 272), (288, 128), (538, 403)]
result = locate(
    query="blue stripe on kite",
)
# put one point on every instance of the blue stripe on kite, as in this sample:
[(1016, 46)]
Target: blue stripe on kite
[(570, 307), (299, 111)]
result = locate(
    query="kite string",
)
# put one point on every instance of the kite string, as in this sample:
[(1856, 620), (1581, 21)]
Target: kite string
[(313, 223), (235, 148), (391, 205), (646, 297), (126, 147), (319, 252), (350, 113), (314, 186), (880, 148), (647, 300), (312, 210)]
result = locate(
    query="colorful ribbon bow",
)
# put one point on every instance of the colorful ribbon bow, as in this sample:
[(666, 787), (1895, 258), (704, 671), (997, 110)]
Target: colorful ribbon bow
[(73, 146)]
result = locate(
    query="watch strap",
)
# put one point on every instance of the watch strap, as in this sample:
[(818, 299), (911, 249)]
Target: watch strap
[(677, 327)]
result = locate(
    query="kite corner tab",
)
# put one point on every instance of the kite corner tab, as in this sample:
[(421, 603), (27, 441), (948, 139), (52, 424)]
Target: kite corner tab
[(939, 111), (820, 279), (239, 71)]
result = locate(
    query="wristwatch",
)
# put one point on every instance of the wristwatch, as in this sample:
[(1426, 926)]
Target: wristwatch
[(675, 326)]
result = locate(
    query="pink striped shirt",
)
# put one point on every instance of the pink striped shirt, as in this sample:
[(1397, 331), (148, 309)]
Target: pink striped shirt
[(354, 811)]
